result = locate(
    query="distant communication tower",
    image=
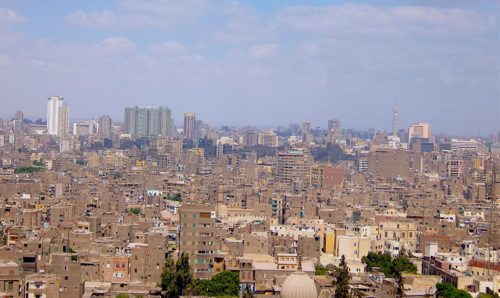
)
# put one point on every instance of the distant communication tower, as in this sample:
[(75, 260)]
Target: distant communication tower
[(395, 119)]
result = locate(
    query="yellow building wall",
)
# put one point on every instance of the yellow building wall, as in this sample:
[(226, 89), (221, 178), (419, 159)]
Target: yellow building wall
[(329, 242)]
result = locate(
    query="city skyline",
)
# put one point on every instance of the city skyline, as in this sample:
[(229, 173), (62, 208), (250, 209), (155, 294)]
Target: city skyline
[(182, 123), (258, 63), (263, 149)]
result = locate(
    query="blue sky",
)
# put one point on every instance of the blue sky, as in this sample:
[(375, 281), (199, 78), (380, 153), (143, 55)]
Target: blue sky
[(258, 62)]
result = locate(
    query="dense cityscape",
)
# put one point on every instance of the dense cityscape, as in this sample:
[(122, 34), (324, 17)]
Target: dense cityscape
[(250, 149), (102, 208)]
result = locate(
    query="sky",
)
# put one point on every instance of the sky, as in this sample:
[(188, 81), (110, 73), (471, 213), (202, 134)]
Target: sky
[(258, 62)]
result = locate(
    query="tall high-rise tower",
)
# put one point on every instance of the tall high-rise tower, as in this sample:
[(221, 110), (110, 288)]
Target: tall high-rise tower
[(57, 116), (63, 121), (395, 121), (333, 124), (189, 125), (105, 126), (147, 121), (18, 121)]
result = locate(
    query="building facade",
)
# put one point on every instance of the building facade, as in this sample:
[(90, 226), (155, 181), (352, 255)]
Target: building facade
[(190, 125), (292, 165), (57, 116), (147, 121), (197, 237)]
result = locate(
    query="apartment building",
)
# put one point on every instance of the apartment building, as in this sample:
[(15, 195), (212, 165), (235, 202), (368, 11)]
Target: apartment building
[(197, 237)]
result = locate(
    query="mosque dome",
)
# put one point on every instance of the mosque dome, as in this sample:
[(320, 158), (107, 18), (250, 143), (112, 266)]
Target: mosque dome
[(299, 285)]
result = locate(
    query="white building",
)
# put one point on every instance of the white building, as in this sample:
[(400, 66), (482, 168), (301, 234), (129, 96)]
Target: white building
[(471, 145), (393, 247), (57, 116)]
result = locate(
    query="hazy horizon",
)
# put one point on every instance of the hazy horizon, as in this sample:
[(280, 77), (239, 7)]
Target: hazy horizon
[(258, 63)]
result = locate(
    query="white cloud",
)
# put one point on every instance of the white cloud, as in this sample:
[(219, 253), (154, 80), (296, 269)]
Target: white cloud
[(117, 44), (263, 50), (384, 21), (172, 8), (92, 19), (170, 47), (137, 14), (9, 16)]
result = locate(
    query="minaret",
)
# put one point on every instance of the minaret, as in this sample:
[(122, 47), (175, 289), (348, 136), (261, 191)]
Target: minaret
[(395, 118)]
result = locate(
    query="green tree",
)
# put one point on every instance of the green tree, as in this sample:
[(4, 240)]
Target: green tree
[(448, 290), (177, 197), (27, 170), (176, 278), (168, 278), (226, 283), (389, 266), (183, 274), (121, 295), (135, 211), (342, 279), (320, 270)]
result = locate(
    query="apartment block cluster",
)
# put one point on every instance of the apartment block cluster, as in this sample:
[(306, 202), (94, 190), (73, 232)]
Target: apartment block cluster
[(96, 213)]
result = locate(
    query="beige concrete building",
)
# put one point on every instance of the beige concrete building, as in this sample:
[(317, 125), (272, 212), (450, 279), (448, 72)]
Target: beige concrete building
[(388, 163), (10, 279), (292, 165), (197, 231), (42, 285)]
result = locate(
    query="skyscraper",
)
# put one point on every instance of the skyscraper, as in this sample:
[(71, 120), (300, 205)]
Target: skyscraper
[(306, 132), (57, 116), (53, 105), (395, 121), (334, 124), (189, 125), (104, 127), (63, 124), (18, 121), (147, 121)]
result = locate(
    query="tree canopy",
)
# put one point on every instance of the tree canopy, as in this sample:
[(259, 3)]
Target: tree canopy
[(448, 290), (135, 211), (176, 278), (342, 280), (320, 270), (388, 265), (226, 283), (26, 170)]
